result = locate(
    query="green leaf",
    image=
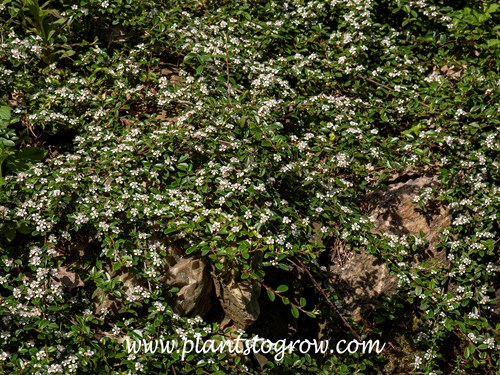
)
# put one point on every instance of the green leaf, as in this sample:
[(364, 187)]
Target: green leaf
[(282, 289), (190, 250), (415, 129), (169, 230), (493, 42), (183, 166), (271, 295), (5, 112), (491, 8), (7, 142), (275, 126), (8, 231), (22, 159), (266, 143), (65, 53), (468, 351), (310, 314), (117, 266), (295, 312)]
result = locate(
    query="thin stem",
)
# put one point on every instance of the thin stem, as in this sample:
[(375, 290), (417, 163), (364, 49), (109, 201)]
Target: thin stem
[(321, 290)]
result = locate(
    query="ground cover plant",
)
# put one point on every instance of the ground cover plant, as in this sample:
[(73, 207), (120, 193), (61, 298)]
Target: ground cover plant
[(251, 136)]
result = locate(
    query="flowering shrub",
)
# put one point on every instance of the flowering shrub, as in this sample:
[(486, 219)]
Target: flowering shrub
[(248, 134)]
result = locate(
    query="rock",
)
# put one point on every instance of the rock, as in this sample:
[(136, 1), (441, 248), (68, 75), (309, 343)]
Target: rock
[(192, 278), (360, 281), (68, 279), (189, 274), (238, 298), (396, 212), (360, 278)]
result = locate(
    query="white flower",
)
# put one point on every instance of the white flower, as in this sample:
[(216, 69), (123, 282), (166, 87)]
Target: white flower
[(490, 342), (418, 362)]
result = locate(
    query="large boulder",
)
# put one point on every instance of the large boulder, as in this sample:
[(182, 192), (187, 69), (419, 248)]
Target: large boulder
[(360, 278), (397, 212), (239, 298), (189, 274), (192, 277)]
